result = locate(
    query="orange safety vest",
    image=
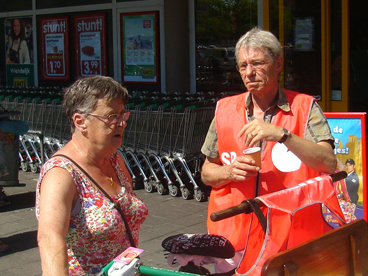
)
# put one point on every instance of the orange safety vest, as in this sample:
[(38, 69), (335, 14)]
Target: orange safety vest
[(280, 168), (292, 216)]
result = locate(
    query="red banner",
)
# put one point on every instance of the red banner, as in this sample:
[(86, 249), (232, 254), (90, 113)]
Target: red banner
[(54, 44)]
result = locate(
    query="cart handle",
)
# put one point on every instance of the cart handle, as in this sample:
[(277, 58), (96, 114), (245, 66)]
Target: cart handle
[(245, 207), (148, 270)]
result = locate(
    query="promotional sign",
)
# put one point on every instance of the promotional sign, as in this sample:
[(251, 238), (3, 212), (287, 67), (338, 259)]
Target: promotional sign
[(139, 40), (304, 34), (348, 130), (90, 39), (55, 51), (19, 51)]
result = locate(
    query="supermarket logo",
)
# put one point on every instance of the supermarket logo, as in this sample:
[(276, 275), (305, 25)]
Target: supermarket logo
[(87, 26), (55, 27), (147, 24)]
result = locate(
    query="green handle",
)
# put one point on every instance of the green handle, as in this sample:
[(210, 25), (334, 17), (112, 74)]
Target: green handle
[(153, 271), (106, 269), (148, 270)]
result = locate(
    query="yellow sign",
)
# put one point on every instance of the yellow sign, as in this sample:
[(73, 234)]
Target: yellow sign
[(20, 82)]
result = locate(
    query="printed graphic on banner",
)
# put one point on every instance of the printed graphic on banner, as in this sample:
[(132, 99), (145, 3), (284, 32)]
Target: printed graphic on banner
[(55, 54), (138, 45), (349, 152), (90, 53), (90, 37), (19, 51), (55, 62)]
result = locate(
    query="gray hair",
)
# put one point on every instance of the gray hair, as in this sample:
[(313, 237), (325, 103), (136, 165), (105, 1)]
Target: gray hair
[(258, 38), (82, 95)]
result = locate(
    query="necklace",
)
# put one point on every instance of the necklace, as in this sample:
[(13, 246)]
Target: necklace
[(108, 178)]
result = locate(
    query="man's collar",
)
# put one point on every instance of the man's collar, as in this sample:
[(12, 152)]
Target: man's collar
[(282, 101)]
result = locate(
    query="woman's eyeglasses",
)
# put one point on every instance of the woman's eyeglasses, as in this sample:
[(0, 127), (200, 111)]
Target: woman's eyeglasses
[(113, 118)]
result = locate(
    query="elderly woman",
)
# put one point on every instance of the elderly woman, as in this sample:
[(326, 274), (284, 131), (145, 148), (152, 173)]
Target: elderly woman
[(79, 228)]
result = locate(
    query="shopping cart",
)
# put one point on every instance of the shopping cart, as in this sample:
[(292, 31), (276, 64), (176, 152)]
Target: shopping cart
[(48, 126), (162, 143)]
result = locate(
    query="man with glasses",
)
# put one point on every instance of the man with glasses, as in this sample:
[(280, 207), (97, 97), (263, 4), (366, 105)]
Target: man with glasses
[(294, 136)]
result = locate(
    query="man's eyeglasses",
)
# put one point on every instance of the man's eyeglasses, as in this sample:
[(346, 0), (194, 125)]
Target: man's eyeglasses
[(255, 66), (113, 118)]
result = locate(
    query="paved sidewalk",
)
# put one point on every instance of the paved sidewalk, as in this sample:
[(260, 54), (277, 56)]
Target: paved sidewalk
[(18, 227)]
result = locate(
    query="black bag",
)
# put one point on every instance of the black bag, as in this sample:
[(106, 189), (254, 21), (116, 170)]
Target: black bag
[(199, 244)]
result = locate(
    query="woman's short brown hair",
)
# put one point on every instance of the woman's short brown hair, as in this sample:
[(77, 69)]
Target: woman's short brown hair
[(82, 95)]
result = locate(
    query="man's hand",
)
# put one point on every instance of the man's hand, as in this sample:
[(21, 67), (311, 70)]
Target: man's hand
[(318, 156), (216, 175), (258, 130), (241, 169)]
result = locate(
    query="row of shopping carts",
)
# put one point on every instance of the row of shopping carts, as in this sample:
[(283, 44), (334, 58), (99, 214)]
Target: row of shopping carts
[(161, 144), (162, 147), (163, 139), (49, 129)]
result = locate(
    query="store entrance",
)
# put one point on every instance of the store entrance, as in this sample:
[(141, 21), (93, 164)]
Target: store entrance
[(325, 49), (297, 23)]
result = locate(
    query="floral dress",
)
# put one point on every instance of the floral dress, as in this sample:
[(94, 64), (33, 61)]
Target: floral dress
[(97, 233)]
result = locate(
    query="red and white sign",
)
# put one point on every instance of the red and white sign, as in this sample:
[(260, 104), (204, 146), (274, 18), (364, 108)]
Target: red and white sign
[(90, 39), (55, 51)]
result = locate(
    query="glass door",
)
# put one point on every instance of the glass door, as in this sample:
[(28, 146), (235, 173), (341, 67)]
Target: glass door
[(297, 23)]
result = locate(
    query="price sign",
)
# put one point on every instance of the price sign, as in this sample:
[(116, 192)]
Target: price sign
[(55, 64), (55, 53), (90, 38), (91, 67)]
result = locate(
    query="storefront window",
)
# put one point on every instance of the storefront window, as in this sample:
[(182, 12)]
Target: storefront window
[(219, 24), (300, 35)]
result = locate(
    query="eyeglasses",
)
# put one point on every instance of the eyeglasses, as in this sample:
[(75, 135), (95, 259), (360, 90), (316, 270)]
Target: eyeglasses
[(113, 118), (256, 65)]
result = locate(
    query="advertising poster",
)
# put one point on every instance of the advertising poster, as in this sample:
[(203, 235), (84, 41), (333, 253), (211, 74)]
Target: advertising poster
[(90, 39), (19, 51), (348, 130), (55, 51), (303, 34), (139, 47)]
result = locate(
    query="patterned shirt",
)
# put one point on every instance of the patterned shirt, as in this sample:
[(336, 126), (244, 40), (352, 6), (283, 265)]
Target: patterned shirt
[(97, 233), (317, 128)]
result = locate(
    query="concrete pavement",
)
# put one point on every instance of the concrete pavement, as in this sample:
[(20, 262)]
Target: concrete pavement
[(18, 227)]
